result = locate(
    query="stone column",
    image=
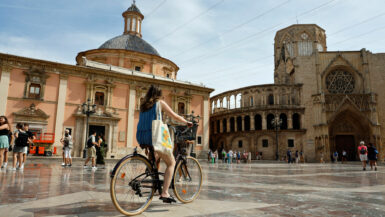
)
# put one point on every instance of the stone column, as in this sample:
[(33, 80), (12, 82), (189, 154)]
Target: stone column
[(221, 126), (264, 123), (243, 123), (289, 120), (235, 124), (206, 123), (252, 127), (60, 110), (4, 86), (130, 116), (228, 124)]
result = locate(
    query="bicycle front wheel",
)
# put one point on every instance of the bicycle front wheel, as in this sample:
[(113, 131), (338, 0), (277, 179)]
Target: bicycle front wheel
[(132, 187), (187, 180)]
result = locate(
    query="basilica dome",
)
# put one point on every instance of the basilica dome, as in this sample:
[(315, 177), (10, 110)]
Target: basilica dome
[(129, 42)]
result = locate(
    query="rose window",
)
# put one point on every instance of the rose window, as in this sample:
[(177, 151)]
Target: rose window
[(340, 82)]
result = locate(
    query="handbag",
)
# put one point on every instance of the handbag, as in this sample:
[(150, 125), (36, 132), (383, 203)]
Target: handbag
[(161, 139)]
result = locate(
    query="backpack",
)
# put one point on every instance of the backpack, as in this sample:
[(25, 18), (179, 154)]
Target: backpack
[(22, 139), (363, 150), (89, 143)]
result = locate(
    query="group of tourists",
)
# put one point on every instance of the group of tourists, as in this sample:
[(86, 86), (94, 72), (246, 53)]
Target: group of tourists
[(229, 157), (368, 153), (17, 141), (294, 156)]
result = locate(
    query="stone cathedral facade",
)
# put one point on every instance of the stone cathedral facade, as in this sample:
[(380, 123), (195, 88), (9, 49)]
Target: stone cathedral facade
[(325, 101)]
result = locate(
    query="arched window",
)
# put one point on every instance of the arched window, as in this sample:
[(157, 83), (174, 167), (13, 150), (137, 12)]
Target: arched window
[(239, 123), (239, 101), (224, 102), (224, 125), (232, 102), (271, 99), (296, 121), (218, 103), (218, 126), (247, 123), (251, 101), (232, 124), (258, 122), (269, 119), (34, 91), (283, 118)]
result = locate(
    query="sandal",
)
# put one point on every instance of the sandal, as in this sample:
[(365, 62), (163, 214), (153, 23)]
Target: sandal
[(167, 199)]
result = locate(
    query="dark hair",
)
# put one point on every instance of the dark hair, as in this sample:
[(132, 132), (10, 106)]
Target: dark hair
[(152, 95), (26, 124), (370, 144), (6, 122), (19, 125)]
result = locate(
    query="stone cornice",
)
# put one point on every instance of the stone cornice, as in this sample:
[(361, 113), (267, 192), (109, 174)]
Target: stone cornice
[(82, 71)]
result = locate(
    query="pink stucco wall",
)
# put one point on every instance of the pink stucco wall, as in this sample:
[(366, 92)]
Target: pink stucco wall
[(52, 87), (17, 83), (76, 90)]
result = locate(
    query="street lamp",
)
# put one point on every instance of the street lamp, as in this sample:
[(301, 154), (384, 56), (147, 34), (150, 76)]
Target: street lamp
[(87, 109), (276, 123)]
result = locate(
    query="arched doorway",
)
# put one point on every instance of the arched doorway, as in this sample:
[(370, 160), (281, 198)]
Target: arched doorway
[(346, 130)]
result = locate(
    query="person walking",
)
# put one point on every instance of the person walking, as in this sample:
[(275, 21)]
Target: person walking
[(372, 156), (4, 140), (224, 154), (91, 151), (238, 157), (216, 156), (21, 146), (31, 137), (344, 156), (230, 157), (249, 157), (7, 150), (363, 154), (288, 154), (67, 147), (148, 113), (100, 151), (296, 157), (335, 157), (322, 158)]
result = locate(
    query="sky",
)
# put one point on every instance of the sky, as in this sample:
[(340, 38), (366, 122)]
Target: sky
[(222, 44)]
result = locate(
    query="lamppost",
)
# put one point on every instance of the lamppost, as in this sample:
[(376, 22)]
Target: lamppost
[(87, 109), (276, 123)]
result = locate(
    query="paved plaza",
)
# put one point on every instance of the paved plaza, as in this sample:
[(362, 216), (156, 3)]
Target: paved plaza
[(44, 188)]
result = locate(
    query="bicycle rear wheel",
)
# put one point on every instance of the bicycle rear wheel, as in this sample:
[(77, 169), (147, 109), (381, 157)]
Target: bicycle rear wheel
[(187, 180), (132, 187)]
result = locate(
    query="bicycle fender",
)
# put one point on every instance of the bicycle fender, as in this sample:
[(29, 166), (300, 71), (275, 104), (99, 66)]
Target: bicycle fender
[(112, 174)]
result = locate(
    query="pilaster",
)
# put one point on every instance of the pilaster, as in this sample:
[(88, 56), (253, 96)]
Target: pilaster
[(60, 110), (4, 87), (130, 116)]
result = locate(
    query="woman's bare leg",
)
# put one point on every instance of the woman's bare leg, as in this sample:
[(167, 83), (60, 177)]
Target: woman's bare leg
[(170, 162), (1, 156)]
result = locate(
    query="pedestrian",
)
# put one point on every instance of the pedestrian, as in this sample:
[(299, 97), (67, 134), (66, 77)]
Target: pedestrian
[(344, 156), (209, 156), (21, 146), (224, 156), (335, 156), (249, 157), (296, 157), (301, 157), (363, 154), (100, 150), (238, 157), (4, 140), (212, 157), (67, 147), (229, 156), (372, 156), (288, 154), (7, 150), (322, 158), (216, 156), (31, 137), (91, 151)]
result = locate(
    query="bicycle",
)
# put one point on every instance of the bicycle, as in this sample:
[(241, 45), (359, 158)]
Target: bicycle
[(135, 178)]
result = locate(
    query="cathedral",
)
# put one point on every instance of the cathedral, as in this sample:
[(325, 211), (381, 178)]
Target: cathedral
[(113, 79), (321, 101)]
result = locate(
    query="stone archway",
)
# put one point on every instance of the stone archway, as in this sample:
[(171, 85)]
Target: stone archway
[(346, 130)]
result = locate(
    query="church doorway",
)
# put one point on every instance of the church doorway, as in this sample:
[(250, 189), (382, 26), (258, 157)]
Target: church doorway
[(346, 130), (347, 143), (100, 130)]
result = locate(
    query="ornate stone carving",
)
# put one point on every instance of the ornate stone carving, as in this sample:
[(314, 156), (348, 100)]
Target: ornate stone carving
[(344, 127), (333, 101), (31, 114), (340, 81)]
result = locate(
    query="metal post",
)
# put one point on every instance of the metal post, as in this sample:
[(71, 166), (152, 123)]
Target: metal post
[(87, 110)]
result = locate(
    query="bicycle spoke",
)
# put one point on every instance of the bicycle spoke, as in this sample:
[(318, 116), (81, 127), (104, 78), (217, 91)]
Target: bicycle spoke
[(187, 180)]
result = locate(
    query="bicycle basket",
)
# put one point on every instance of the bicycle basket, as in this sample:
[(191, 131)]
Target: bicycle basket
[(191, 133)]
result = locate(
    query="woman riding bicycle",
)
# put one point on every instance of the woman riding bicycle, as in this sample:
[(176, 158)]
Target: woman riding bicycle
[(144, 133)]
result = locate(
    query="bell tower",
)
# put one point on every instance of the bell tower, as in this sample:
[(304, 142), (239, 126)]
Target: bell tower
[(295, 41), (133, 20)]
